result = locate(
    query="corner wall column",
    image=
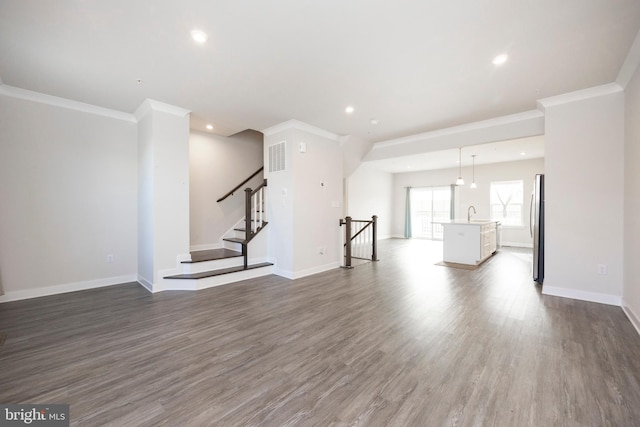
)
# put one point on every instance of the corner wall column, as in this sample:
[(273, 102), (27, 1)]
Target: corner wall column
[(163, 190)]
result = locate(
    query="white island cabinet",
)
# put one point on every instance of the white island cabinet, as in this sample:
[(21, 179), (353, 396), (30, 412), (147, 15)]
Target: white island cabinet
[(469, 242)]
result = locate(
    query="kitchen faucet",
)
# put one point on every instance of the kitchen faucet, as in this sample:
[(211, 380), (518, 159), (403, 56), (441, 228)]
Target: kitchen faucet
[(469, 212)]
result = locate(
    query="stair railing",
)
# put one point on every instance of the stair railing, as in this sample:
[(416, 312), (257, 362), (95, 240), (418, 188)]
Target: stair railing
[(232, 192), (255, 215), (361, 239)]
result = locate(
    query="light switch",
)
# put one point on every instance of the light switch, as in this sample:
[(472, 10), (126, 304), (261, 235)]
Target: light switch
[(302, 147)]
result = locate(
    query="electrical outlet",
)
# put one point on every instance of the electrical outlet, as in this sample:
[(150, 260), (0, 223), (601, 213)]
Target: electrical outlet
[(321, 250), (110, 258), (602, 269)]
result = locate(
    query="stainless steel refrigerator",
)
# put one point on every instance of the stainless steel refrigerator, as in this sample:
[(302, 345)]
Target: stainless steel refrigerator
[(536, 228)]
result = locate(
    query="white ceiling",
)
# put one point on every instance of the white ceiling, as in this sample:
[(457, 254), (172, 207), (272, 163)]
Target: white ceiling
[(416, 66)]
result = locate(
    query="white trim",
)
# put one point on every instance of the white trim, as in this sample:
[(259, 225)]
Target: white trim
[(631, 316), (517, 245), (150, 104), (145, 283), (308, 272), (67, 287), (579, 95), (287, 274), (205, 247), (28, 95), (582, 295), (630, 64), (497, 121), (296, 124), (183, 257)]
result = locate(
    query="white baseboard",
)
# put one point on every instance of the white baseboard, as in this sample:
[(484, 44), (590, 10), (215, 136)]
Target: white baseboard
[(582, 295), (308, 272), (68, 287), (145, 283), (517, 245), (631, 316)]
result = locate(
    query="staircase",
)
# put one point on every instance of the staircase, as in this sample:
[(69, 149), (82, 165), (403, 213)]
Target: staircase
[(230, 263)]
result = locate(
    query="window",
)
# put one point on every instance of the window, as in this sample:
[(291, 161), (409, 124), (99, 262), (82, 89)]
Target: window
[(429, 204), (506, 202)]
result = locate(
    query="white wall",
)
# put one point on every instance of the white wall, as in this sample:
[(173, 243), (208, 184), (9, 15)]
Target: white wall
[(631, 274), (584, 146), (317, 184), (68, 186), (370, 192), (301, 212), (353, 151), (465, 196), (218, 164)]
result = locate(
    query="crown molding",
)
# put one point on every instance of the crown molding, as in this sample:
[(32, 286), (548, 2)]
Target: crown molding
[(579, 95), (152, 105), (298, 125), (28, 95), (631, 63)]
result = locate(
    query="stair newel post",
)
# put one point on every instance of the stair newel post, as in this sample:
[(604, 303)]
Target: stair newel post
[(347, 239), (259, 208), (374, 244), (248, 225)]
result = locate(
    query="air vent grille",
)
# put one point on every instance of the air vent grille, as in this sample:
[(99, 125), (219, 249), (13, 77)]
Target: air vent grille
[(277, 156)]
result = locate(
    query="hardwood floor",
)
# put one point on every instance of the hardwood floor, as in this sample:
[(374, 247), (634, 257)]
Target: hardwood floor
[(400, 342)]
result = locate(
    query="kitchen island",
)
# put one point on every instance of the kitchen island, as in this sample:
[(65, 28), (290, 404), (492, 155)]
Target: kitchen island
[(469, 242)]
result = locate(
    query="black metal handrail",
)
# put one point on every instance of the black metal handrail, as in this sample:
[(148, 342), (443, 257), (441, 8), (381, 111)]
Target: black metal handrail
[(230, 193), (373, 223)]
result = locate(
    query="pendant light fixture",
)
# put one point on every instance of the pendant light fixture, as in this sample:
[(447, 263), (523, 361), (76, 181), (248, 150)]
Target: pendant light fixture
[(460, 181), (473, 183)]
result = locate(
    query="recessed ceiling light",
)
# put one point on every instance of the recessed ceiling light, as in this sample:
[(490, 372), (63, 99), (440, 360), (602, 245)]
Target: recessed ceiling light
[(210, 127), (522, 153), (199, 36), (349, 109), (500, 59), (374, 121)]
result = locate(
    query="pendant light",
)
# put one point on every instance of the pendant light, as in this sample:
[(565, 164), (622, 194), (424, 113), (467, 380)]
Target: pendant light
[(473, 183), (460, 181)]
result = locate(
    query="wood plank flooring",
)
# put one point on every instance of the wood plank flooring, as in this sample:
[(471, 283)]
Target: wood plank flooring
[(399, 342)]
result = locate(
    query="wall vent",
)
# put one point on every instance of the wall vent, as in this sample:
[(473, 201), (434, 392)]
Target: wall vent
[(277, 156)]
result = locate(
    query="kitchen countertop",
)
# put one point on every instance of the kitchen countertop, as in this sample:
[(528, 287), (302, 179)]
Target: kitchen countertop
[(465, 222)]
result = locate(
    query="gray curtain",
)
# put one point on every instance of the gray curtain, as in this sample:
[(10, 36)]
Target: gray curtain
[(407, 215)]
